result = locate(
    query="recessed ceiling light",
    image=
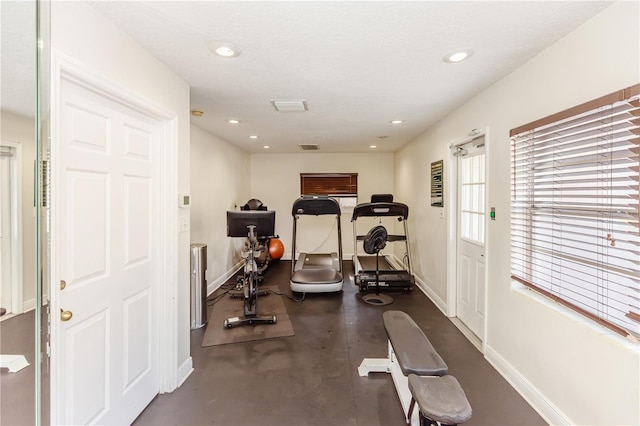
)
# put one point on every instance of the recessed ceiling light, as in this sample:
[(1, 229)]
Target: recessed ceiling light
[(458, 55), (197, 113), (226, 50), (396, 121), (372, 146), (233, 121), (253, 137), (266, 147)]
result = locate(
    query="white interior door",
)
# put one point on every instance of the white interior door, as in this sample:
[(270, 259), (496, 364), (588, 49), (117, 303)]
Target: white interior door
[(5, 230), (10, 229), (106, 212), (471, 237)]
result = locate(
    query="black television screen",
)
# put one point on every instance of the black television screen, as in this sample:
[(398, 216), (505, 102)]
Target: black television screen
[(238, 222)]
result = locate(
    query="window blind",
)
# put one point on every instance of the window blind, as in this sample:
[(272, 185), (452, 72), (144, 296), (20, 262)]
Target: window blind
[(575, 233), (335, 184)]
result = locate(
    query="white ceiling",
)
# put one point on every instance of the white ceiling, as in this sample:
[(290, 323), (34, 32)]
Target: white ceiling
[(357, 64), (18, 57)]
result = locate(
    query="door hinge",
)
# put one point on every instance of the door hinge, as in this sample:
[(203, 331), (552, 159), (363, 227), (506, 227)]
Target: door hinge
[(45, 171), (47, 337)]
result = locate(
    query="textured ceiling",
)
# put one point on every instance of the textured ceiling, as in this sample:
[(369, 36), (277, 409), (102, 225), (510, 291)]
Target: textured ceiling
[(18, 57), (357, 64)]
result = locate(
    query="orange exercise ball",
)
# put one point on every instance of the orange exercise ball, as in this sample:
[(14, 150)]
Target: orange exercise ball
[(276, 248)]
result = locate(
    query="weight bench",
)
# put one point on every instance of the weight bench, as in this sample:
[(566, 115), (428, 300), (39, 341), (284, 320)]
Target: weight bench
[(419, 374)]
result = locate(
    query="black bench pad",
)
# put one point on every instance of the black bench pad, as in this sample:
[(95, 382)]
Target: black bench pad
[(414, 352), (440, 399)]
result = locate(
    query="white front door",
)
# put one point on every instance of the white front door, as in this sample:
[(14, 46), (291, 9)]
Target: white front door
[(107, 255), (471, 237)]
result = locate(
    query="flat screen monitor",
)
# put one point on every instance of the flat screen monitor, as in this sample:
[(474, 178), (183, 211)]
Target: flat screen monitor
[(238, 222)]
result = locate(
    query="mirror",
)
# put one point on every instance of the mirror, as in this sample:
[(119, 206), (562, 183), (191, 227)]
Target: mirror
[(20, 290)]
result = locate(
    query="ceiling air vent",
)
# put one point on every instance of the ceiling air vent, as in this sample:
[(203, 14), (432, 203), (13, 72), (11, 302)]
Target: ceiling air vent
[(290, 105), (309, 147)]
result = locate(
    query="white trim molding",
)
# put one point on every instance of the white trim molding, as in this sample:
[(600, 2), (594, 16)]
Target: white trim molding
[(549, 412), (426, 289), (442, 306), (213, 286), (185, 370), (29, 305)]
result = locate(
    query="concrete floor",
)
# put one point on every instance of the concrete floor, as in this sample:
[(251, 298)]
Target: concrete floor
[(307, 379), (311, 378), (17, 390)]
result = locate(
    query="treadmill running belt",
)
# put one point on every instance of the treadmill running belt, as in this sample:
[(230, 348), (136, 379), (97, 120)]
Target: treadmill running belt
[(316, 276), (368, 263)]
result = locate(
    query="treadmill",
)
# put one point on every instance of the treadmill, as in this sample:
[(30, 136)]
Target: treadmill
[(391, 276), (316, 272)]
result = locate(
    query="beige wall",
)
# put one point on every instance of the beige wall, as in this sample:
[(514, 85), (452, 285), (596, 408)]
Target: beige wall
[(20, 129), (80, 33), (219, 182), (275, 180), (570, 369)]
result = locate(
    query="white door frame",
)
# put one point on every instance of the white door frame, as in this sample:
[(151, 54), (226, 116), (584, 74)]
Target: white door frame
[(452, 242), (17, 304), (166, 300)]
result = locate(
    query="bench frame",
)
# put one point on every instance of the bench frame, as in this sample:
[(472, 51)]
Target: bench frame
[(390, 365)]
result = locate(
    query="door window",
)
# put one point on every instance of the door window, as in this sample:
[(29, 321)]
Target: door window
[(472, 211)]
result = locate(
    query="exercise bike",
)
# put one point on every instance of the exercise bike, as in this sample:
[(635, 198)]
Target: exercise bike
[(269, 247), (250, 224)]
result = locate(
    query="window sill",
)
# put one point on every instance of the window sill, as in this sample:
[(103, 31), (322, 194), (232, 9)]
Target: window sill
[(628, 342)]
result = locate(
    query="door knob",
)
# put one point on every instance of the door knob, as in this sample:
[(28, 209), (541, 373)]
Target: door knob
[(65, 315)]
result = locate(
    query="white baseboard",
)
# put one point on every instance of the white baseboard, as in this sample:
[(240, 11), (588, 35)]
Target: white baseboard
[(422, 285), (442, 306), (471, 337), (549, 412), (184, 371), (29, 305), (213, 286), (437, 300)]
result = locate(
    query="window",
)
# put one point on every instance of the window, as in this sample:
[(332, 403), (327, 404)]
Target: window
[(574, 208), (334, 184)]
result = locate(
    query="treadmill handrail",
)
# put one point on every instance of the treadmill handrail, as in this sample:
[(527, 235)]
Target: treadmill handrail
[(380, 209), (315, 205), (390, 238)]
